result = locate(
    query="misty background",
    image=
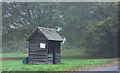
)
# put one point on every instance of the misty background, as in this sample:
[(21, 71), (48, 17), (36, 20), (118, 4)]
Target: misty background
[(89, 30)]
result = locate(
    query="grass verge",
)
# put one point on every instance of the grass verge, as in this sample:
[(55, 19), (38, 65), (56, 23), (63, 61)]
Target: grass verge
[(66, 65)]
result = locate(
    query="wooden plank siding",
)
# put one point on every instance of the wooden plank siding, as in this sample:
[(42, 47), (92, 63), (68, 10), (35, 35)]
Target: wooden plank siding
[(58, 56), (37, 56), (54, 45), (50, 52), (48, 55)]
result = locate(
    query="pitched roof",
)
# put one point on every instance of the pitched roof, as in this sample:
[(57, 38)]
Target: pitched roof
[(49, 33)]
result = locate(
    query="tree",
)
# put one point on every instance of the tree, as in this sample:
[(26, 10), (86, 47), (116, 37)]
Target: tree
[(89, 26)]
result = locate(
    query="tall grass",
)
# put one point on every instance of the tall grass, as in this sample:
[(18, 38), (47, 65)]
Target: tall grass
[(74, 54), (65, 53), (14, 55)]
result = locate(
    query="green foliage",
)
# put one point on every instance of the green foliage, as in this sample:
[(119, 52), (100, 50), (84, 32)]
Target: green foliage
[(92, 26)]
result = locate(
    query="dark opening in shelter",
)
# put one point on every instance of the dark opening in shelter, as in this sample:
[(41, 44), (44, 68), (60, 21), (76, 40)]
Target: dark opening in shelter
[(44, 46)]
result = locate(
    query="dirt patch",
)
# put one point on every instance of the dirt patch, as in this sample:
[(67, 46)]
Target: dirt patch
[(114, 63)]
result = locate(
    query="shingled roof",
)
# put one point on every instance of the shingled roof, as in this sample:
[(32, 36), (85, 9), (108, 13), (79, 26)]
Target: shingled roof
[(49, 33)]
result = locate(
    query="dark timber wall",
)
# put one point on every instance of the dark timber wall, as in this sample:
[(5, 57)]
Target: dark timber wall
[(49, 55), (37, 56), (54, 52)]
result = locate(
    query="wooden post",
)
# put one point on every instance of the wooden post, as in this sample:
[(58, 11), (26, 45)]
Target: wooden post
[(54, 53)]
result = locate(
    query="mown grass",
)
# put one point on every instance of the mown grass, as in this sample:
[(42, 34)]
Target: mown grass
[(66, 65), (71, 59)]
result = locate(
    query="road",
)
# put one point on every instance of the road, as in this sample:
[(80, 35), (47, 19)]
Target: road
[(111, 68)]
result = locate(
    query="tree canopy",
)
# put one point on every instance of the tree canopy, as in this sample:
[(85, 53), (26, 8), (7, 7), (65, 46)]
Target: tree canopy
[(89, 26)]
